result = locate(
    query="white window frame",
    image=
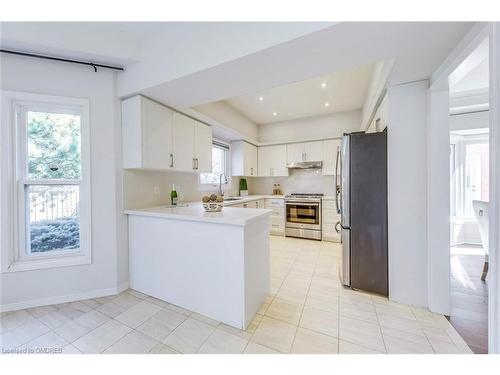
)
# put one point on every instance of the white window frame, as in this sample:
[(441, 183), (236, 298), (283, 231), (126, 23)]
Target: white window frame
[(226, 186), (460, 142), (13, 129)]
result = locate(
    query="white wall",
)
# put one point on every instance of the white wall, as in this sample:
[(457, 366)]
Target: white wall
[(327, 126), (100, 277), (407, 192), (474, 120)]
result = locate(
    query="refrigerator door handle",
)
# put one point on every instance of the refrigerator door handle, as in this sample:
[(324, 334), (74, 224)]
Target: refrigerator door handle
[(337, 186)]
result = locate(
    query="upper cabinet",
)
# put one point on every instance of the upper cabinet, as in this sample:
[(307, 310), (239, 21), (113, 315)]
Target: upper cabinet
[(272, 161), (243, 159), (305, 151), (155, 137), (146, 134), (330, 148)]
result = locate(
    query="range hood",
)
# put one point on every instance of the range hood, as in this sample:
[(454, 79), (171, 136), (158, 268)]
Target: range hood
[(305, 165)]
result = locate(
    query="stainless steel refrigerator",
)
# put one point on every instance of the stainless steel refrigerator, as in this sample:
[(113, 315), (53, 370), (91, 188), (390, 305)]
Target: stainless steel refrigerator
[(361, 196)]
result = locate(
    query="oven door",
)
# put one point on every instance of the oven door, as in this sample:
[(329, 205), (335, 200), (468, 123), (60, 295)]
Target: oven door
[(303, 215)]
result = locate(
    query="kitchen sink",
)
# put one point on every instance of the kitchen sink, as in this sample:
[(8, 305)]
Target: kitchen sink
[(232, 199)]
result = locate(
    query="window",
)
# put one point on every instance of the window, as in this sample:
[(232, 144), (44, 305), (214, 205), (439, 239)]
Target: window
[(51, 183), (469, 162), (220, 165)]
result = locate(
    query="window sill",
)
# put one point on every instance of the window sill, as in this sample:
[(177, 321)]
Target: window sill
[(45, 263)]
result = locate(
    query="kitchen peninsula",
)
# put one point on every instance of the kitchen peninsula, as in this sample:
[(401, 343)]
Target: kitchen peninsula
[(213, 263)]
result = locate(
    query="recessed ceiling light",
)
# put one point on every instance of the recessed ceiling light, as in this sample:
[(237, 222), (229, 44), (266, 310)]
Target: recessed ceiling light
[(275, 113), (261, 98), (327, 104), (323, 85)]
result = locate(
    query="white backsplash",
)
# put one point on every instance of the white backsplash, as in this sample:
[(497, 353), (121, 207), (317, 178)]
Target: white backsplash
[(298, 181), (139, 187)]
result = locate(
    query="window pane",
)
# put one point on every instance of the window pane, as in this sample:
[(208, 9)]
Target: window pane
[(476, 175), (54, 219), (53, 145), (218, 167)]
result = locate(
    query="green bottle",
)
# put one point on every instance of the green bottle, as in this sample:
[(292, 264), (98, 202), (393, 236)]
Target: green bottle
[(173, 196)]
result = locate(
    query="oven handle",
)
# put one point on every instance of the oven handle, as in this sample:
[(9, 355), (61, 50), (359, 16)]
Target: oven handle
[(289, 202)]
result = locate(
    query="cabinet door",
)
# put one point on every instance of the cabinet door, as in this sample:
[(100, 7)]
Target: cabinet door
[(295, 152), (202, 147), (330, 148), (264, 161), (314, 151), (278, 160), (156, 135), (183, 143), (250, 159)]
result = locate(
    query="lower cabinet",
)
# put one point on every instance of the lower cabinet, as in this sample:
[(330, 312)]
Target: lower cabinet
[(330, 221), (277, 219)]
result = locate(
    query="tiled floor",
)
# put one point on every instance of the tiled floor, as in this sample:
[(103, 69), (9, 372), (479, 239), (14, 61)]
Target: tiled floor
[(469, 297), (307, 312)]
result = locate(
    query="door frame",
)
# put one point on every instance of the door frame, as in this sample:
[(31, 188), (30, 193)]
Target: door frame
[(438, 282)]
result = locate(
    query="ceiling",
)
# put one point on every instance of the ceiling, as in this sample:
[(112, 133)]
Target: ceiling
[(344, 90)]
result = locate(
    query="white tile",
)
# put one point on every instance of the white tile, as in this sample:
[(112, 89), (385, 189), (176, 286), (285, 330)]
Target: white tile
[(72, 331), (362, 333), (179, 310), (397, 345), (42, 310), (235, 331), (48, 343), (275, 334), (205, 319), (70, 349), (169, 318), (401, 324), (254, 348), (132, 343), (155, 329), (310, 342), (13, 319), (157, 301), (138, 314), (162, 349), (222, 342), (284, 310), (54, 319), (102, 337), (346, 347), (111, 309), (23, 334), (137, 294), (92, 319), (325, 322), (126, 300), (189, 336), (444, 347)]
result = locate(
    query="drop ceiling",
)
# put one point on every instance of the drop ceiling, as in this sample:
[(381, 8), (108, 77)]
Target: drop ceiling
[(344, 90)]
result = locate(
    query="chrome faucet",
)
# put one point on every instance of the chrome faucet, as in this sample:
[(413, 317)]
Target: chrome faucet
[(221, 193)]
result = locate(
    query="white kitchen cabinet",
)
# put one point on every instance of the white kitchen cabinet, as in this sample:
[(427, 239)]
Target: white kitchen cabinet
[(156, 137), (330, 148), (202, 147), (243, 159), (192, 145), (305, 151), (146, 134), (277, 219), (272, 161), (329, 221)]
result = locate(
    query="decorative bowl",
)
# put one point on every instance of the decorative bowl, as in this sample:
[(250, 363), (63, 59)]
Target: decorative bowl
[(213, 206)]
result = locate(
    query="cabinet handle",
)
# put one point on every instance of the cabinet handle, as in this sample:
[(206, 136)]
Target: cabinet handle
[(171, 160), (196, 163), (251, 171)]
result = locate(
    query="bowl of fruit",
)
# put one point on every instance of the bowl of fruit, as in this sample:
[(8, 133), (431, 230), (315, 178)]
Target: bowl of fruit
[(213, 203)]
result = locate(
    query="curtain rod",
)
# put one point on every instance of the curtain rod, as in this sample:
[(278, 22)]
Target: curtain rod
[(93, 65)]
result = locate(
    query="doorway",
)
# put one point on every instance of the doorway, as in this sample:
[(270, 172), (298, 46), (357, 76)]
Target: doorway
[(469, 198)]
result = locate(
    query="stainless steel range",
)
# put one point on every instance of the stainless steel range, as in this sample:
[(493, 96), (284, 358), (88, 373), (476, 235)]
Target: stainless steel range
[(303, 216)]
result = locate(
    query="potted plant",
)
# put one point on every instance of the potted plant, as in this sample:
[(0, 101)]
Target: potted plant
[(243, 187)]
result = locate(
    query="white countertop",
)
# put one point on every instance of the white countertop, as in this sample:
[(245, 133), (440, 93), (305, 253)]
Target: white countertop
[(195, 212), (250, 198)]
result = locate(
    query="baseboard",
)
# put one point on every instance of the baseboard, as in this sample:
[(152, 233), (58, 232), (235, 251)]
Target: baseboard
[(63, 299)]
